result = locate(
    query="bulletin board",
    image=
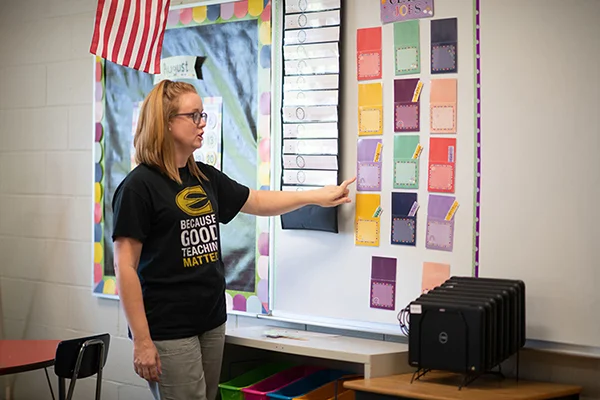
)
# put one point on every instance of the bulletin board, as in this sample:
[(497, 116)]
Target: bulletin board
[(408, 131), (234, 82)]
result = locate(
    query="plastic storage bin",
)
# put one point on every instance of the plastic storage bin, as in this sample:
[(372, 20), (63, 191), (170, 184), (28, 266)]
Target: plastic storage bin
[(307, 384), (276, 382), (332, 390), (347, 394), (232, 389)]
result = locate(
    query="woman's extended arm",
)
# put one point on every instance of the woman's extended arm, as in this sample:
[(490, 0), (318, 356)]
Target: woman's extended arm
[(127, 256), (270, 203)]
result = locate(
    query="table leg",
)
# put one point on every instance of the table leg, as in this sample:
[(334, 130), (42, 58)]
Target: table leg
[(49, 383), (8, 394)]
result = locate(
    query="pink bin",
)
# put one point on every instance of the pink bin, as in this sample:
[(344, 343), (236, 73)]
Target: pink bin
[(259, 390)]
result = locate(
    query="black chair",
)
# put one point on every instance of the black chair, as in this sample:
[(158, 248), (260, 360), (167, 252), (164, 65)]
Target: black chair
[(80, 358)]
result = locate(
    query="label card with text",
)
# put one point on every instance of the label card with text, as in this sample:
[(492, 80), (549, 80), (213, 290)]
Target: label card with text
[(403, 10)]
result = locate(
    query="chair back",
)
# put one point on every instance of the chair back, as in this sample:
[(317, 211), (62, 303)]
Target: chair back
[(90, 352)]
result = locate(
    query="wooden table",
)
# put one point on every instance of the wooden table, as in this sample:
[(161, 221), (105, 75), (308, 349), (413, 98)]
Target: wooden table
[(444, 386), (26, 355)]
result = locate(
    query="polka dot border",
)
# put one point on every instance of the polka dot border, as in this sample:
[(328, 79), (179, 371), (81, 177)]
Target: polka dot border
[(477, 134)]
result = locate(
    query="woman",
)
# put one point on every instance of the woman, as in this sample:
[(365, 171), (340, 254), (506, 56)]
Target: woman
[(168, 261)]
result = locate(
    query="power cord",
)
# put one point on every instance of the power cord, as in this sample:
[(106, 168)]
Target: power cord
[(404, 320)]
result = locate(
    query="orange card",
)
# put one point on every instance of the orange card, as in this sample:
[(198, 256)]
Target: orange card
[(434, 274), (443, 105)]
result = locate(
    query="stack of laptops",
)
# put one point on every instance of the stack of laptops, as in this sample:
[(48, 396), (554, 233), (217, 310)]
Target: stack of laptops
[(467, 325)]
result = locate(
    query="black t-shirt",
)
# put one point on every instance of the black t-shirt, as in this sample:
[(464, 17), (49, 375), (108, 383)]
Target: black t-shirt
[(181, 269)]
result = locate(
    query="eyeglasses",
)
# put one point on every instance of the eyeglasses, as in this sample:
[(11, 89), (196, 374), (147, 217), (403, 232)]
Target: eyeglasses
[(196, 116)]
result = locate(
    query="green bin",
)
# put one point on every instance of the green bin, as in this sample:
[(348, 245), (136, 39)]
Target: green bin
[(232, 389)]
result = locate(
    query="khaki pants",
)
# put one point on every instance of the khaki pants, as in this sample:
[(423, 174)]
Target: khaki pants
[(191, 367)]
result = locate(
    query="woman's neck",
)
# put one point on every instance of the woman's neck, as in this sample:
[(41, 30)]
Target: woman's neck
[(181, 159)]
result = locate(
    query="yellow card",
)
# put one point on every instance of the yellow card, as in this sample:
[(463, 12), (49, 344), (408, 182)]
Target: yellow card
[(370, 109), (367, 227)]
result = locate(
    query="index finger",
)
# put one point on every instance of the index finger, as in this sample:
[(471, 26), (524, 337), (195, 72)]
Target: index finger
[(347, 182)]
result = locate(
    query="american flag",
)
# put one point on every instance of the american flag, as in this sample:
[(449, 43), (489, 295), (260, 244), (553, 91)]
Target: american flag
[(131, 32)]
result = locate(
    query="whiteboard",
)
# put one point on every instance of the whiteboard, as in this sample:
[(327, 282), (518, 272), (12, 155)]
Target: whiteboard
[(323, 278), (540, 103)]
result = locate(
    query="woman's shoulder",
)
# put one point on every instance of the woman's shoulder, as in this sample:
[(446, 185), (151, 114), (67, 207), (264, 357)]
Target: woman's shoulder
[(140, 179)]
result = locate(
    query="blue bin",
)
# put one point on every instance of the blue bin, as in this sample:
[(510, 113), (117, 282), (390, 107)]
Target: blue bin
[(307, 384)]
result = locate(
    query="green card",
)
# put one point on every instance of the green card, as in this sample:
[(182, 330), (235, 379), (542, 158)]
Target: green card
[(407, 50), (406, 168)]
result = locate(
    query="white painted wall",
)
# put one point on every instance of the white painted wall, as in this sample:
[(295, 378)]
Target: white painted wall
[(45, 202)]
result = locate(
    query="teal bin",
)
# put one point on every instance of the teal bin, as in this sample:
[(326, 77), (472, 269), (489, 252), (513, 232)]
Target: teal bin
[(307, 384), (232, 389)]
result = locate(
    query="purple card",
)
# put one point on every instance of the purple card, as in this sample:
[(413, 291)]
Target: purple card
[(439, 206), (404, 10), (383, 283), (383, 269), (368, 166), (404, 90), (407, 114), (440, 233)]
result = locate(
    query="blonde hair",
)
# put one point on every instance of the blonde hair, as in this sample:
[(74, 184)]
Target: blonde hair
[(153, 144)]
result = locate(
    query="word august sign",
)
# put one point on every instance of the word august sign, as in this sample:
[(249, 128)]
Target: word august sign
[(180, 67), (404, 10)]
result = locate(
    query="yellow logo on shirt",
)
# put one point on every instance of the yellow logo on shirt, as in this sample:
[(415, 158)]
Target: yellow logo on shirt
[(193, 201)]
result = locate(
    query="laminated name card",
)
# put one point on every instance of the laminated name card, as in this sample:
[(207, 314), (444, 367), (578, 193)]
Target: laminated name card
[(369, 161), (309, 177), (367, 219), (306, 51), (443, 108), (285, 188), (368, 53), (310, 146), (383, 283), (312, 35), (370, 109), (297, 161), (310, 113), (407, 152), (440, 222), (407, 49), (312, 20), (325, 130), (311, 98), (302, 6), (315, 66), (404, 218), (442, 165), (444, 41), (407, 105), (311, 82)]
